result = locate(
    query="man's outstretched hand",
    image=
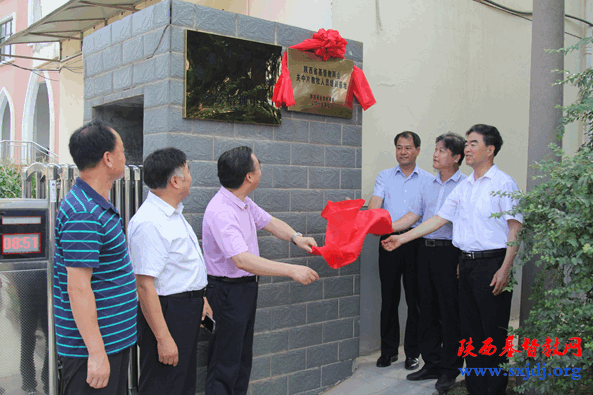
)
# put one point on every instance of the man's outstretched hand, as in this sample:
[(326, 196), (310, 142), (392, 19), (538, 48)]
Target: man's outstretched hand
[(392, 242), (304, 275), (305, 243)]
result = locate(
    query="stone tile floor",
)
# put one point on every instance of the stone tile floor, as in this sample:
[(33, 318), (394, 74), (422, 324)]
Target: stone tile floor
[(368, 379)]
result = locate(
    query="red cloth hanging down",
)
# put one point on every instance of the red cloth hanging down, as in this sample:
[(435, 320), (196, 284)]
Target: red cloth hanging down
[(347, 227), (326, 44)]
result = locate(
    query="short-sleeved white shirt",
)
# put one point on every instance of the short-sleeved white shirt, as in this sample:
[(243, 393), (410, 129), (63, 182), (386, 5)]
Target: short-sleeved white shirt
[(470, 205), (163, 245)]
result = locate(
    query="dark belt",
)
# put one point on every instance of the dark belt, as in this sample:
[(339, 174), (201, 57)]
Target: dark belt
[(187, 294), (246, 279), (483, 254), (437, 243)]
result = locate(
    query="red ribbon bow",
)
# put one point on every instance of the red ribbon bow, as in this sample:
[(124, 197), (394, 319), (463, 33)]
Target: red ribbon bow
[(326, 44)]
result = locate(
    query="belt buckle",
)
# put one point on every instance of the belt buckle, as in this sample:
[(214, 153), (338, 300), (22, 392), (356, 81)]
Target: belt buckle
[(257, 279), (468, 255), (430, 243), (472, 255)]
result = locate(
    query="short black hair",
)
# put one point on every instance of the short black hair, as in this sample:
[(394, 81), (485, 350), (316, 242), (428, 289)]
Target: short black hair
[(490, 134), (454, 143), (407, 135), (160, 165), (233, 166), (89, 143)]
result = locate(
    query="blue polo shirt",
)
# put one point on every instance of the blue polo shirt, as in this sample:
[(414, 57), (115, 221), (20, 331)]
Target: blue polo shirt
[(89, 233), (399, 191), (433, 193)]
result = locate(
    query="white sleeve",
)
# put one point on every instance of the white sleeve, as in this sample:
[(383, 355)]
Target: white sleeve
[(149, 250), (507, 203)]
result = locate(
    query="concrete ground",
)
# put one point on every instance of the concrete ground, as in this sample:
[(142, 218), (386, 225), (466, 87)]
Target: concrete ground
[(368, 379)]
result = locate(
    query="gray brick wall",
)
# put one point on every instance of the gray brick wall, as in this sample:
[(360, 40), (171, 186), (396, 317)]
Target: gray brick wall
[(306, 338)]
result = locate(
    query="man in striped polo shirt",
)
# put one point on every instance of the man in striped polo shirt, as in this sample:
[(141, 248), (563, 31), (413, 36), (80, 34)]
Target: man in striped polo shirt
[(95, 300)]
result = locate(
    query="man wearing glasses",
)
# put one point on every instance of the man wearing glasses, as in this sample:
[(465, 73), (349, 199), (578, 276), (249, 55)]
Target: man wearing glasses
[(231, 251)]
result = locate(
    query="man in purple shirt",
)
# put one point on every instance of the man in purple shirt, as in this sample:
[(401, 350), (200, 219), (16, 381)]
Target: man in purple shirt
[(231, 252)]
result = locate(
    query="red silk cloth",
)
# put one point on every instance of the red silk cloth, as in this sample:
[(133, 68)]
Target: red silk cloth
[(347, 227), (326, 44)]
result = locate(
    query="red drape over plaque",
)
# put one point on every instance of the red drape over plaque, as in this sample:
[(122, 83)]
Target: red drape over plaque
[(326, 44), (347, 227)]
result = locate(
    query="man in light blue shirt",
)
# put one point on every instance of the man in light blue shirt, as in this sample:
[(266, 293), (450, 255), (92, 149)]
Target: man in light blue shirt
[(395, 189), (437, 268)]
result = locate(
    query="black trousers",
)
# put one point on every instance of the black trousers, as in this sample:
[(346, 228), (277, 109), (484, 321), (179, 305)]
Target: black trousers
[(483, 315), (440, 331), (392, 267), (183, 316), (74, 374), (230, 353)]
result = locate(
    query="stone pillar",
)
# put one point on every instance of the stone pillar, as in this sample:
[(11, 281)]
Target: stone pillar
[(547, 33)]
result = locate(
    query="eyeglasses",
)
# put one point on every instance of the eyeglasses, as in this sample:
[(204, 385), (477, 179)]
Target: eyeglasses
[(259, 168)]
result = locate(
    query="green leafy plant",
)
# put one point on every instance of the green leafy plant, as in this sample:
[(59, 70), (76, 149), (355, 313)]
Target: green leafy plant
[(10, 180), (557, 236)]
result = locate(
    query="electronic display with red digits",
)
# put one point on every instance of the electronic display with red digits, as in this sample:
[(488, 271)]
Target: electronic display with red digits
[(24, 233), (24, 243)]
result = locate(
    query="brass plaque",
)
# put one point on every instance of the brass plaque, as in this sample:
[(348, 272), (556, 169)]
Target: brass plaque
[(319, 87), (229, 79)]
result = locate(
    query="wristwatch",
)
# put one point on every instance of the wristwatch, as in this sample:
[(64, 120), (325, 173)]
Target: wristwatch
[(295, 235)]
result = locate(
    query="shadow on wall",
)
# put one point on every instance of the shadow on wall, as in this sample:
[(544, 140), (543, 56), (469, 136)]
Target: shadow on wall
[(127, 118)]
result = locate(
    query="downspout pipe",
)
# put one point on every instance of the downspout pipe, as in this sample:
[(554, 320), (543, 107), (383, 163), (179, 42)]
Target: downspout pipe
[(588, 31), (544, 115)]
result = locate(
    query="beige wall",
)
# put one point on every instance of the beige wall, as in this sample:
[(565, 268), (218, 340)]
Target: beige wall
[(434, 66), (306, 14), (71, 105), (437, 66)]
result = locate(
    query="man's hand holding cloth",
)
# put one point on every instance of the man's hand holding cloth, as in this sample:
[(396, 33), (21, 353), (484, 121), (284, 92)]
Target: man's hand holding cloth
[(347, 227)]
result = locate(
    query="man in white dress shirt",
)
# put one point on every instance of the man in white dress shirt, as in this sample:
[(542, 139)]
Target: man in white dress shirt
[(171, 276), (486, 258)]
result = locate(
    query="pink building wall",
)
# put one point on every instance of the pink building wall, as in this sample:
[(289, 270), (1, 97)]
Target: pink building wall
[(17, 81)]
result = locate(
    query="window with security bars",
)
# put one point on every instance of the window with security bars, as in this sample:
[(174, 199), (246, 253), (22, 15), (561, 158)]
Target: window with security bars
[(5, 33)]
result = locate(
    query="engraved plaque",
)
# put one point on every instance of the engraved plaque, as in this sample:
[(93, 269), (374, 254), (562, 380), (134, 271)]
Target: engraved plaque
[(229, 79), (319, 87)]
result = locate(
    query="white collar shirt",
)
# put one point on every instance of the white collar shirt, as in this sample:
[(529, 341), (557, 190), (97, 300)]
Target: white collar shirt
[(470, 206), (163, 245)]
